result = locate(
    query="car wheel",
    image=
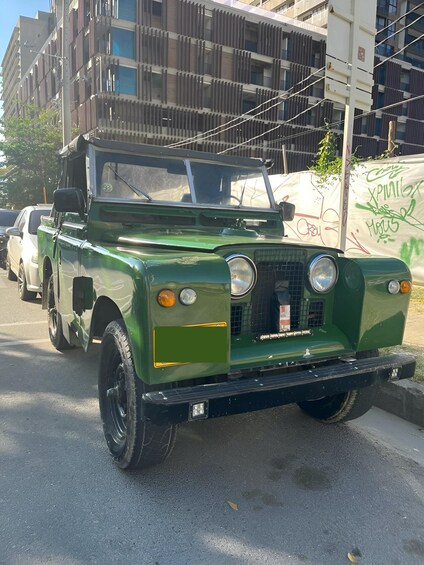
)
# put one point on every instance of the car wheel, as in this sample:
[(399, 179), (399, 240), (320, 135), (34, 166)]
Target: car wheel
[(55, 321), (10, 274), (345, 406), (24, 293), (132, 442)]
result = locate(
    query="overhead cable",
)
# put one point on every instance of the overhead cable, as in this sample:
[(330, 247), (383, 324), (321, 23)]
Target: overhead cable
[(272, 129), (248, 115), (400, 18), (399, 30)]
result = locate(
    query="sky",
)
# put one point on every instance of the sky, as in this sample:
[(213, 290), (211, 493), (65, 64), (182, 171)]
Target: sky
[(10, 11)]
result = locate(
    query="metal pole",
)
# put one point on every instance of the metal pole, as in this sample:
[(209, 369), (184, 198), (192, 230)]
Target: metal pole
[(66, 76), (391, 138), (347, 140), (285, 168)]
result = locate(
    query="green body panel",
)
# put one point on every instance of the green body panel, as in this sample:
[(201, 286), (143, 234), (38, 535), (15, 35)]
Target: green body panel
[(360, 313), (364, 309)]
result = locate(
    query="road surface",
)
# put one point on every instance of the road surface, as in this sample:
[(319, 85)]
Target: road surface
[(272, 487)]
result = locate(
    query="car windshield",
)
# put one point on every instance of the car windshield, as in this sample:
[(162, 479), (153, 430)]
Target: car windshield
[(8, 217), (35, 219), (150, 179)]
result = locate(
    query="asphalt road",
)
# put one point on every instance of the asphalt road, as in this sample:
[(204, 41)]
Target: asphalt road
[(305, 492)]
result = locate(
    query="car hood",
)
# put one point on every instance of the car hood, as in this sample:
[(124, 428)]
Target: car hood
[(199, 241)]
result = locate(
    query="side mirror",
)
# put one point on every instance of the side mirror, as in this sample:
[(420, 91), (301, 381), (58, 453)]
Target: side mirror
[(287, 211), (14, 231), (69, 200)]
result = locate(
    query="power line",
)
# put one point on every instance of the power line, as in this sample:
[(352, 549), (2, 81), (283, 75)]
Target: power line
[(400, 17), (363, 115), (202, 136), (263, 111), (400, 51), (399, 30), (272, 129)]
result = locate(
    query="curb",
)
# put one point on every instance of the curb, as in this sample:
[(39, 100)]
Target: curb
[(404, 399)]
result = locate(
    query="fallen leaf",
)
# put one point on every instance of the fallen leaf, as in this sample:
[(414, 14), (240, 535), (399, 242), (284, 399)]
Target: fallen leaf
[(354, 555), (232, 505)]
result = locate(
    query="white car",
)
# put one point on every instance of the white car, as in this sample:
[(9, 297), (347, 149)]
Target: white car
[(22, 251)]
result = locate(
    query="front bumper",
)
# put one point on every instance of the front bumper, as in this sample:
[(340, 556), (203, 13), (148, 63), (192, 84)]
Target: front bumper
[(273, 388)]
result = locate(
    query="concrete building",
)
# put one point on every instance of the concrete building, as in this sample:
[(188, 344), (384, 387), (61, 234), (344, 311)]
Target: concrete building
[(389, 18), (28, 37), (161, 71)]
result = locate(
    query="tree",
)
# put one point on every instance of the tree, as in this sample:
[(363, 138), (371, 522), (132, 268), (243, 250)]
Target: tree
[(30, 163)]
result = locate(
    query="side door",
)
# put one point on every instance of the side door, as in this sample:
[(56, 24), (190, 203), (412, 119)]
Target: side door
[(70, 236)]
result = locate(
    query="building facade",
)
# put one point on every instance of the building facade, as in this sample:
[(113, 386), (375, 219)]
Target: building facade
[(162, 71), (27, 39)]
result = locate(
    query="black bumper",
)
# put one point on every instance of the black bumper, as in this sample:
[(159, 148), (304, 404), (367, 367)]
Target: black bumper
[(273, 388)]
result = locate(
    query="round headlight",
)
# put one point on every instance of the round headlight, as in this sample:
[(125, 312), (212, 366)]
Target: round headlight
[(188, 296), (323, 273), (243, 274)]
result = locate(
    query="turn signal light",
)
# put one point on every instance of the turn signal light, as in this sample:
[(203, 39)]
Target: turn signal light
[(405, 287), (166, 298)]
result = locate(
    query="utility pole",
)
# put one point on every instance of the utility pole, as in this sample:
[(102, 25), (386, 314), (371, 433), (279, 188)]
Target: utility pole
[(391, 138), (284, 153), (66, 76), (349, 77)]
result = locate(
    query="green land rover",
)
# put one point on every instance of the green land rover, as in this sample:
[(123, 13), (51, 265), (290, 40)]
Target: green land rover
[(177, 260)]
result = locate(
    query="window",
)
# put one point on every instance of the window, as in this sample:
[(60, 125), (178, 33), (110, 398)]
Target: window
[(122, 42), (156, 86), (154, 7), (125, 10), (257, 75), (127, 81), (392, 6)]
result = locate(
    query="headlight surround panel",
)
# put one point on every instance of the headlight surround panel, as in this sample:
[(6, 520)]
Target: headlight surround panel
[(323, 273), (243, 274)]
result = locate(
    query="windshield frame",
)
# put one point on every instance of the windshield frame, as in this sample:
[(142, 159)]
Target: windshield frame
[(258, 167)]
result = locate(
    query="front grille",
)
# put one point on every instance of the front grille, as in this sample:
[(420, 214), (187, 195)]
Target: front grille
[(277, 268)]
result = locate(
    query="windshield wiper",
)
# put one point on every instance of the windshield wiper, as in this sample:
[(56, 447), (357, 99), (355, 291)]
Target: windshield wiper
[(136, 190)]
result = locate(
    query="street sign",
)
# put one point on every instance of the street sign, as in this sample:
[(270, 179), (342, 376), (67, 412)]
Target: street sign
[(350, 52)]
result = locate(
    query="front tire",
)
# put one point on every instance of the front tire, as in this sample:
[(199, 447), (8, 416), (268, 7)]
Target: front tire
[(345, 406), (132, 442), (54, 320), (24, 293)]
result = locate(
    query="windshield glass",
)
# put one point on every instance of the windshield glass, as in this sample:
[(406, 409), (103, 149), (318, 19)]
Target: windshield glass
[(35, 220), (8, 217), (152, 179), (229, 186)]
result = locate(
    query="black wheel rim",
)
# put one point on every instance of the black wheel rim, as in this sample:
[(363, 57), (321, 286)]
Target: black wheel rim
[(52, 313), (116, 396), (20, 280)]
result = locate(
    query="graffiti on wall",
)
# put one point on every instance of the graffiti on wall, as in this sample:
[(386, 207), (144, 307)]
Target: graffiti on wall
[(386, 210), (391, 202)]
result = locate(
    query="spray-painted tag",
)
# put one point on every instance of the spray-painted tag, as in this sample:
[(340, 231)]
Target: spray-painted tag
[(284, 324)]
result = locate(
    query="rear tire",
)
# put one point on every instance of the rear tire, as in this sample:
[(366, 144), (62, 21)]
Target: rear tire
[(345, 406), (10, 274), (132, 442), (55, 320), (24, 293)]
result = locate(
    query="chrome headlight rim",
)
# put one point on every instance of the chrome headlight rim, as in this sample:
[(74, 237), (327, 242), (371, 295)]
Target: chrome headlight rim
[(311, 267), (252, 265)]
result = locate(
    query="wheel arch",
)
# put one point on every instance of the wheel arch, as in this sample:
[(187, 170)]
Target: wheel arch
[(105, 311)]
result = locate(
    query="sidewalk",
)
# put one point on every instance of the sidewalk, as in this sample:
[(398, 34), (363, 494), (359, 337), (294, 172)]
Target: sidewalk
[(406, 398)]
